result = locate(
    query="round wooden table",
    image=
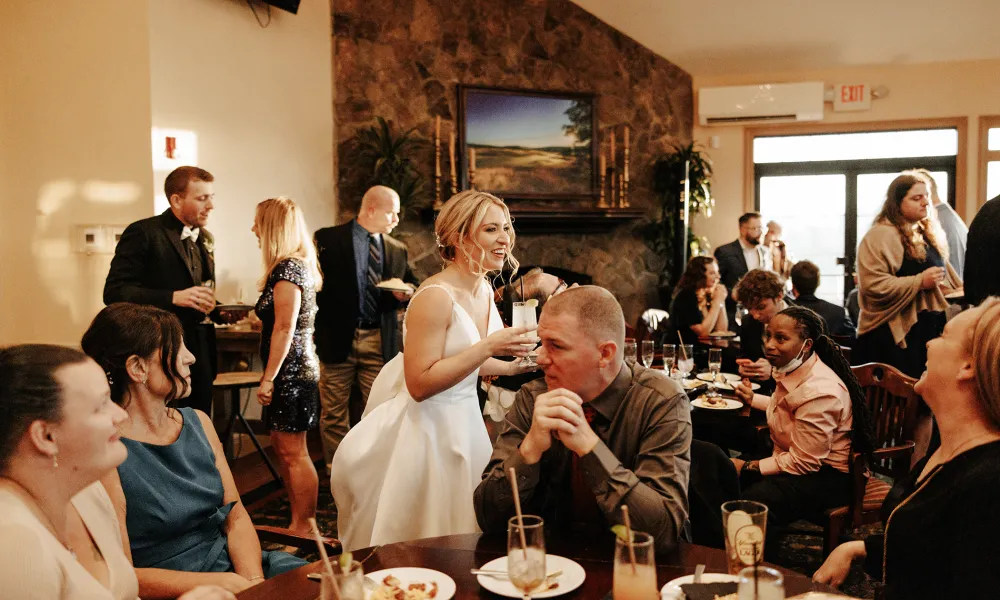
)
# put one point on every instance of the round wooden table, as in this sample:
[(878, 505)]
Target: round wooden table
[(456, 555)]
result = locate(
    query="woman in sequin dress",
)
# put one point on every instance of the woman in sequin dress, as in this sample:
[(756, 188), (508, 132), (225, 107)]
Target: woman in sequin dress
[(289, 385)]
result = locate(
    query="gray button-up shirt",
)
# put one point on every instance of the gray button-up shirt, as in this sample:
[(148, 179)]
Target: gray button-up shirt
[(643, 459)]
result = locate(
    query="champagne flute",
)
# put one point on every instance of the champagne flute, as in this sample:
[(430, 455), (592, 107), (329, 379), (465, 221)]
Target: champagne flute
[(210, 284), (526, 564), (630, 351), (648, 350), (714, 366), (669, 357)]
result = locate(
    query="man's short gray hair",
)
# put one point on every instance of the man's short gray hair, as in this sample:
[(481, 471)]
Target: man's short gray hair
[(596, 310)]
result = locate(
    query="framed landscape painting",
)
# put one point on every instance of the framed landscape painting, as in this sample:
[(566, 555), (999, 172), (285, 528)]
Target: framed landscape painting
[(529, 145)]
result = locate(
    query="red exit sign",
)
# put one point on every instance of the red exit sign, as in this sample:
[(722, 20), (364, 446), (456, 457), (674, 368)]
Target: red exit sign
[(852, 96)]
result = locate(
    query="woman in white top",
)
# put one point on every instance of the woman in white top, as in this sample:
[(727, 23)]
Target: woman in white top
[(58, 437), (409, 468)]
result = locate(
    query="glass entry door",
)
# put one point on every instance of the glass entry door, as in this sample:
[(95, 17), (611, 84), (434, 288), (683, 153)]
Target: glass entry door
[(812, 211)]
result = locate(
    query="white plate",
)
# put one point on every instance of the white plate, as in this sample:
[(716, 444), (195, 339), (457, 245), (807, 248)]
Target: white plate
[(730, 404), (672, 589), (393, 287), (408, 575), (572, 577), (722, 334), (708, 377), (691, 384)]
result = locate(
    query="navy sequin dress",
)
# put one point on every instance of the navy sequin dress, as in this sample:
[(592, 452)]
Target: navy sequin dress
[(295, 404)]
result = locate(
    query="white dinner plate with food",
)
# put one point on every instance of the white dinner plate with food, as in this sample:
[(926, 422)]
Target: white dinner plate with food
[(672, 589), (717, 403), (572, 577), (729, 377), (722, 334), (394, 285), (436, 585)]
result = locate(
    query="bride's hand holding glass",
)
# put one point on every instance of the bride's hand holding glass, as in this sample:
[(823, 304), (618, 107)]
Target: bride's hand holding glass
[(511, 341)]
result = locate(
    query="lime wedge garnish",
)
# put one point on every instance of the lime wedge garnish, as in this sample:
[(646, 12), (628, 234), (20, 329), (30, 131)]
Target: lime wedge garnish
[(345, 560), (620, 531)]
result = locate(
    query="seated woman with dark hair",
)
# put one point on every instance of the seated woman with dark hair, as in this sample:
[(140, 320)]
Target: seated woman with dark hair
[(941, 520), (58, 437), (698, 307), (817, 416), (176, 500)]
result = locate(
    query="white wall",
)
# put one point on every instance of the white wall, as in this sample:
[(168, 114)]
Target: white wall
[(74, 149), (260, 103), (963, 89)]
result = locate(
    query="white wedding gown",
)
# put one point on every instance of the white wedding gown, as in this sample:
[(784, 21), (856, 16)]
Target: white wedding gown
[(408, 469)]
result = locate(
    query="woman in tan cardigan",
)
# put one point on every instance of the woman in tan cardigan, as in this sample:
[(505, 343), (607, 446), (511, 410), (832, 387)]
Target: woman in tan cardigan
[(903, 275)]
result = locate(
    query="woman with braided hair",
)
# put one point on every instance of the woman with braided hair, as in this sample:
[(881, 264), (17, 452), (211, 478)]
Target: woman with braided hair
[(817, 416)]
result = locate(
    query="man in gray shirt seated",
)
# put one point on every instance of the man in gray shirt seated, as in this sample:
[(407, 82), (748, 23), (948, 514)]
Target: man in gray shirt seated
[(594, 434)]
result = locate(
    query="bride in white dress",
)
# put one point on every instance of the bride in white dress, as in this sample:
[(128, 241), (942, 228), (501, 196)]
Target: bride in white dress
[(409, 468)]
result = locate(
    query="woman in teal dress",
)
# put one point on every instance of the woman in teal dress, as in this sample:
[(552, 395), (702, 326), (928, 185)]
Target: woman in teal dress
[(176, 500)]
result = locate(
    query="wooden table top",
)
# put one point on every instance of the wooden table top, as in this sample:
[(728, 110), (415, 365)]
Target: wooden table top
[(456, 555)]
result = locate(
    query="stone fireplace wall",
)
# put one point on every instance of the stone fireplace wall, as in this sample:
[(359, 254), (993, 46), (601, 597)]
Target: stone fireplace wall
[(402, 60)]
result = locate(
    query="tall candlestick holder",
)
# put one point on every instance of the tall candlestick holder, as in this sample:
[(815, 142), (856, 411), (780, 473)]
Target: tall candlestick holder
[(472, 178), (613, 192), (454, 186), (437, 192), (602, 202), (623, 197)]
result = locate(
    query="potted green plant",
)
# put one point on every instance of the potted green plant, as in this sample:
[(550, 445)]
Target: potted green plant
[(386, 159), (663, 231)]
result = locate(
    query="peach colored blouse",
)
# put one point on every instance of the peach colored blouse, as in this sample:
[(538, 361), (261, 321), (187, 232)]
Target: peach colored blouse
[(34, 565), (810, 419)]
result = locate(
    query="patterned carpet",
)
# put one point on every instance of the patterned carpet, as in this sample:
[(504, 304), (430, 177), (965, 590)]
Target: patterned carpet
[(800, 552)]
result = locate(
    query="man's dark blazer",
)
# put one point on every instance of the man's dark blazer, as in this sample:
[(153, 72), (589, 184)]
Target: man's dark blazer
[(732, 267), (339, 300), (981, 277), (837, 320), (150, 264)]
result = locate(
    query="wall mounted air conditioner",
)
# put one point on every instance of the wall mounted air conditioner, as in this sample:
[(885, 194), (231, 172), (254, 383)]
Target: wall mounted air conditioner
[(766, 103)]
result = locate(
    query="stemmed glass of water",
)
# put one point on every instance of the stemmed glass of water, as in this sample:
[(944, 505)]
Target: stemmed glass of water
[(685, 362), (669, 357), (714, 366), (648, 350)]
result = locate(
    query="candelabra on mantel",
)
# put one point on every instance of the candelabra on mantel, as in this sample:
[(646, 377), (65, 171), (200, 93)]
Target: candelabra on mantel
[(472, 168), (437, 163), (614, 185), (451, 158)]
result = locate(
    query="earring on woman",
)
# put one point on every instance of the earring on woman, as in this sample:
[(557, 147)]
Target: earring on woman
[(55, 460)]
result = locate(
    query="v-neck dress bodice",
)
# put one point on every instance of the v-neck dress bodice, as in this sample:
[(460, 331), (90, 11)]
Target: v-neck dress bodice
[(408, 469)]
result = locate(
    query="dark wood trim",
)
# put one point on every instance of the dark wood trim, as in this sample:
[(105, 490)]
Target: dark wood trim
[(961, 124), (553, 198), (572, 220), (985, 155)]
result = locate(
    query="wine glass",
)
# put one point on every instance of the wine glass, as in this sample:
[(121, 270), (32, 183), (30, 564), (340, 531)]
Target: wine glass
[(740, 311), (526, 563), (714, 366), (524, 315), (648, 350), (685, 362), (630, 351), (669, 357)]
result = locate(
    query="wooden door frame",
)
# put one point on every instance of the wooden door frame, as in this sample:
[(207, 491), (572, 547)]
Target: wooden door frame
[(985, 155)]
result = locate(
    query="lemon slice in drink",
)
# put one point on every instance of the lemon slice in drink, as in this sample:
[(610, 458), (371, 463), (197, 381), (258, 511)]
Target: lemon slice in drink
[(533, 303)]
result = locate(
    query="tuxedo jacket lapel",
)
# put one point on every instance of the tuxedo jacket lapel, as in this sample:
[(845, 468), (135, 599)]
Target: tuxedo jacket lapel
[(175, 239)]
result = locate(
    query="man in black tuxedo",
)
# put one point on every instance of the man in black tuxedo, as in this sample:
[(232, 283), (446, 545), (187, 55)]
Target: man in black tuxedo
[(805, 280), (167, 261), (981, 276), (357, 324), (738, 257)]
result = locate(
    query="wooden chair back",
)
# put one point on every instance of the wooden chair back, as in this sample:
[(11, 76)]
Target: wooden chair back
[(893, 404)]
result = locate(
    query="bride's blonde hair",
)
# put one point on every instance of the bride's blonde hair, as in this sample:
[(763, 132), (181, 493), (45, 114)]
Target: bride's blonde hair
[(462, 215)]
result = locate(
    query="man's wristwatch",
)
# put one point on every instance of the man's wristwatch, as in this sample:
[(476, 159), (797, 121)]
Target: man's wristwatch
[(752, 466)]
